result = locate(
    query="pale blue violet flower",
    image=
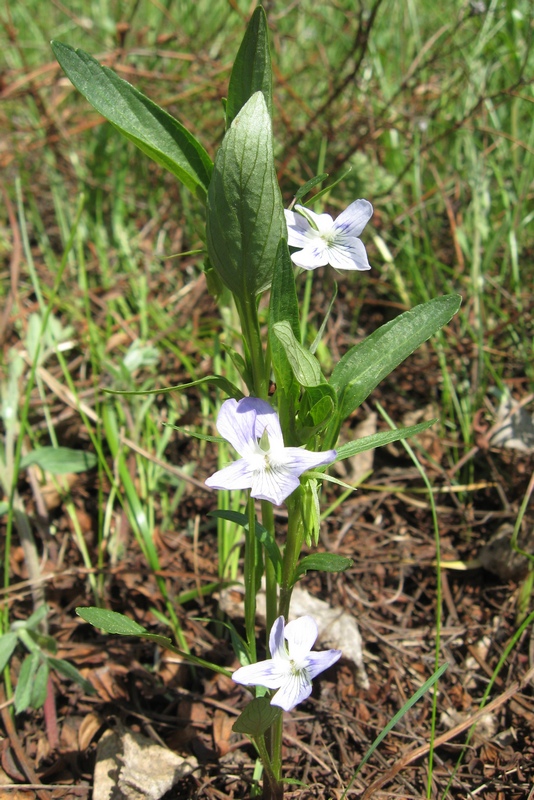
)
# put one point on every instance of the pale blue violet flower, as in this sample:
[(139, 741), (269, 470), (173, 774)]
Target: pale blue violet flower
[(321, 240), (292, 665), (269, 469)]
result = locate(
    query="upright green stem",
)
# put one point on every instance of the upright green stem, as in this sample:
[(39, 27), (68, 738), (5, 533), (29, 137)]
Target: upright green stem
[(250, 327), (294, 542), (271, 586), (251, 560)]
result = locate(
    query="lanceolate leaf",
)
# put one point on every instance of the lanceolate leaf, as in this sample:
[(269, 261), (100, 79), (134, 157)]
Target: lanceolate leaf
[(147, 125), (365, 365), (214, 380), (245, 219), (59, 460), (350, 449), (252, 68), (323, 562), (305, 367), (110, 621)]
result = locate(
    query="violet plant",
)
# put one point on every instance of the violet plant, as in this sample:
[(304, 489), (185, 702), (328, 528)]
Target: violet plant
[(286, 440)]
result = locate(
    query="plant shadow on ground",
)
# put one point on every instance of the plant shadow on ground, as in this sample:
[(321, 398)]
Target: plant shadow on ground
[(443, 146)]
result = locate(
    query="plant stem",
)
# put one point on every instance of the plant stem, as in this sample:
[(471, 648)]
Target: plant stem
[(271, 586), (250, 327), (273, 788), (295, 538), (251, 546)]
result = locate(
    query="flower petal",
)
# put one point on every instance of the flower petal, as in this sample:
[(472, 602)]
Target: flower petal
[(239, 475), (301, 634), (353, 220), (318, 662), (297, 229), (313, 255), (277, 640), (264, 673), (295, 689), (274, 484), (298, 460), (349, 255), (266, 419), (237, 425)]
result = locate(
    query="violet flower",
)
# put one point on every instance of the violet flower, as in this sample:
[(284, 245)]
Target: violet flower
[(269, 469), (323, 240), (292, 665)]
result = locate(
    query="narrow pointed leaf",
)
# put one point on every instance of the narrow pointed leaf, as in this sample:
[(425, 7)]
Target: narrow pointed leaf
[(323, 562), (69, 671), (365, 365), (252, 70), (213, 380), (23, 692), (350, 449), (8, 642), (39, 686), (147, 125), (309, 185), (110, 621), (245, 219)]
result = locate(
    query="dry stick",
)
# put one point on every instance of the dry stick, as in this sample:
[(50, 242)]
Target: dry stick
[(18, 749), (515, 687)]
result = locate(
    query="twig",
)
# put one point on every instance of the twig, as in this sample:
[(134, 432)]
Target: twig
[(19, 750), (413, 755)]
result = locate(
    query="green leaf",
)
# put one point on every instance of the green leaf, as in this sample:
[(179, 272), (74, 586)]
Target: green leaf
[(323, 562), (305, 367), (317, 406), (380, 439), (308, 186), (367, 363), (23, 692), (60, 460), (8, 642), (40, 686), (69, 671), (245, 215), (252, 68), (214, 380), (203, 436), (257, 717), (317, 341), (110, 621), (147, 125), (393, 721), (262, 535)]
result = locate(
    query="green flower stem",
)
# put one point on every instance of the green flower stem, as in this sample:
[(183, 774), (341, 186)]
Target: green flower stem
[(306, 306), (250, 327), (271, 586), (294, 542), (273, 789), (251, 560)]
